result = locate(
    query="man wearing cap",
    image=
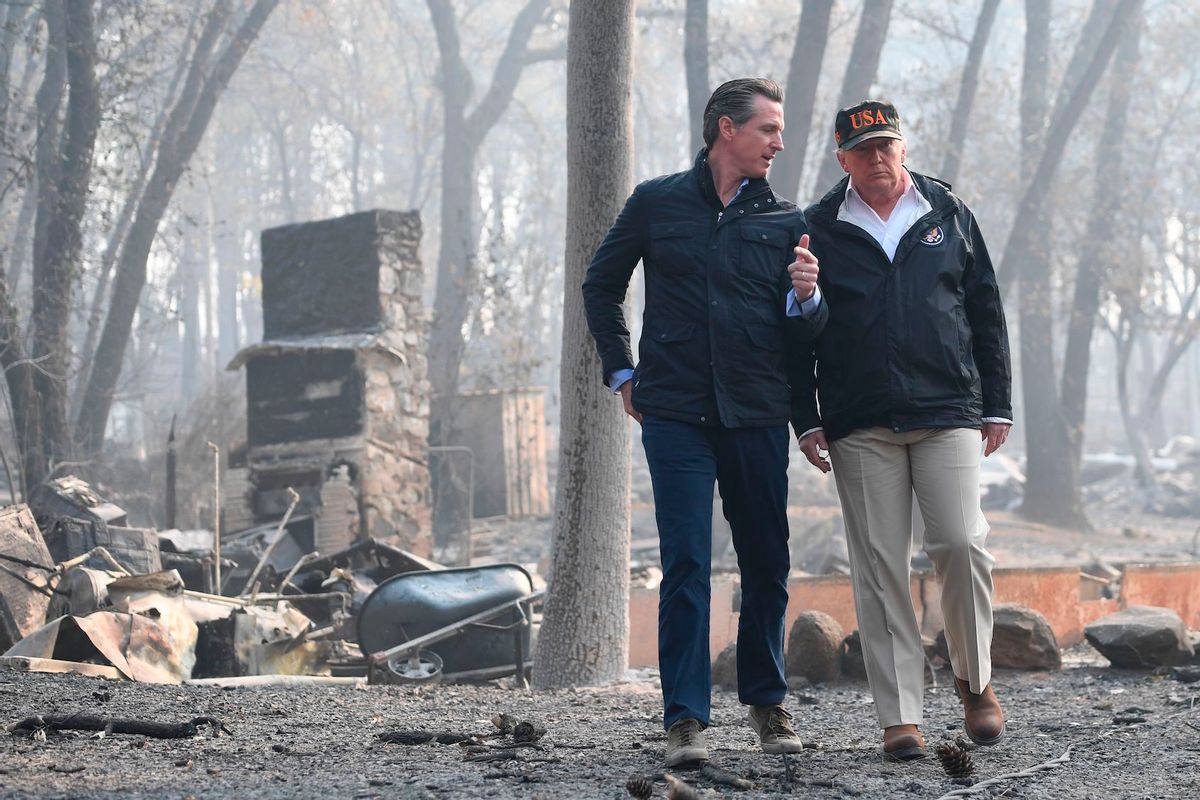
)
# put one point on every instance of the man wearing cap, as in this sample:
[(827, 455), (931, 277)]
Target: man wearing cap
[(911, 371), (712, 393)]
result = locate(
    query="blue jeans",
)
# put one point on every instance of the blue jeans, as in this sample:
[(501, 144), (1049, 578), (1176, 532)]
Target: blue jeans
[(749, 466)]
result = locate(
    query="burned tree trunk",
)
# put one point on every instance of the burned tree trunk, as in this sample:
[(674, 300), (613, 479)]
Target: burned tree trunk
[(860, 73), (18, 375), (695, 66), (1034, 105), (1052, 488), (64, 165), (1097, 254), (804, 73), (1126, 333), (967, 89), (584, 636)]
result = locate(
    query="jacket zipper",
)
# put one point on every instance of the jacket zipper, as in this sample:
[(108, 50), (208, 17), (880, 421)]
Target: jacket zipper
[(906, 242)]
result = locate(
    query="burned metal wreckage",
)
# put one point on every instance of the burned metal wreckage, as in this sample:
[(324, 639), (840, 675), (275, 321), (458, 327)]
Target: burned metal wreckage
[(319, 565)]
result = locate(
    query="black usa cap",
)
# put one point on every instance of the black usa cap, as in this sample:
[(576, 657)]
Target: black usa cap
[(870, 119)]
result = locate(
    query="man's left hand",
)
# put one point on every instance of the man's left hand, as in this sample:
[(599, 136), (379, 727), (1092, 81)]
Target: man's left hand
[(995, 434), (804, 271)]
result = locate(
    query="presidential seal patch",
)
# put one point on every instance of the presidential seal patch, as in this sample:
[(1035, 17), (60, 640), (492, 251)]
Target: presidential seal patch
[(933, 237)]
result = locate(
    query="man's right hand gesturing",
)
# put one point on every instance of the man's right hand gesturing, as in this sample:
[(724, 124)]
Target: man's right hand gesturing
[(804, 271)]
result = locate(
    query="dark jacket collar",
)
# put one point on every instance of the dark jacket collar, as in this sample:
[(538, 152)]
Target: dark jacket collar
[(936, 191), (708, 188)]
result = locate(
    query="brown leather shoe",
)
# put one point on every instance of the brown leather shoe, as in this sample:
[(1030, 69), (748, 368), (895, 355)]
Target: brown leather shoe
[(903, 743), (982, 716)]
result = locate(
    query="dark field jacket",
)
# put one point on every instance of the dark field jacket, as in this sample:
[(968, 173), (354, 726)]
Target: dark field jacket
[(717, 347), (917, 342)]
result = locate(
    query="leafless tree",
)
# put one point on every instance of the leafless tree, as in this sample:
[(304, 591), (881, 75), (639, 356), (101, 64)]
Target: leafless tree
[(65, 142), (1104, 238), (219, 50), (1052, 489), (860, 72), (695, 65), (967, 89), (804, 73), (463, 132)]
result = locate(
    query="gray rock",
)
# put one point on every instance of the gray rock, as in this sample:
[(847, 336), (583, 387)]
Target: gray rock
[(1141, 637), (852, 657), (814, 647), (724, 669), (1023, 639)]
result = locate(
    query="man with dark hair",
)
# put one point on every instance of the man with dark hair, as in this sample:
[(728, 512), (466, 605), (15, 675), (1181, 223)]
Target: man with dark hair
[(912, 370), (736, 99), (724, 312)]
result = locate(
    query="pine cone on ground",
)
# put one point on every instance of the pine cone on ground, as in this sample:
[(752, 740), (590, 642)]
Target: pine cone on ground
[(505, 723), (955, 760), (528, 732), (640, 786)]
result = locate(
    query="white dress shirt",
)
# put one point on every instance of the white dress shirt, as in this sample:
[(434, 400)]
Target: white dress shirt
[(911, 206)]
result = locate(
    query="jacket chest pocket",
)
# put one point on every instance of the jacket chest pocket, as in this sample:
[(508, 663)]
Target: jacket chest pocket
[(674, 247), (763, 253)]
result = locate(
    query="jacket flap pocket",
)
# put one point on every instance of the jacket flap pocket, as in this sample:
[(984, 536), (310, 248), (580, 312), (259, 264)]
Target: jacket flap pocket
[(775, 237), (768, 337), (670, 230), (670, 330)]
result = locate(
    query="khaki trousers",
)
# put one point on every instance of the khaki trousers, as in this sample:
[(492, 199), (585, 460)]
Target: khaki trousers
[(878, 472)]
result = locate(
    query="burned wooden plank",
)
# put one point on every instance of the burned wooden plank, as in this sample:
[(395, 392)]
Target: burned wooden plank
[(138, 727)]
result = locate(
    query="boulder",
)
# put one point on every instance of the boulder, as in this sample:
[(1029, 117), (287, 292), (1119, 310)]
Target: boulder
[(853, 664), (1141, 637), (814, 647), (724, 668), (1023, 639)]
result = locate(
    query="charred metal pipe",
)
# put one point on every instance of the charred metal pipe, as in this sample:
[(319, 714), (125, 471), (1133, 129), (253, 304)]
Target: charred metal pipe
[(216, 514), (170, 494), (304, 561), (251, 588), (81, 559)]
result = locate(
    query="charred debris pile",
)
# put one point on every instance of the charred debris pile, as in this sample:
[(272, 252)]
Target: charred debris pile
[(82, 591)]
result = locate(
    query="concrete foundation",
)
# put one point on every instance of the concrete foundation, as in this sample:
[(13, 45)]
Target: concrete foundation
[(1067, 600)]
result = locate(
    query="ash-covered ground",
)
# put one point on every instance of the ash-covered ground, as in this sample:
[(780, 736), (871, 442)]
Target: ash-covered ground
[(1105, 733)]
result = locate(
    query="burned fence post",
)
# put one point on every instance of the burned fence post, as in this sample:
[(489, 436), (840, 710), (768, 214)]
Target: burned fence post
[(170, 490), (216, 515)]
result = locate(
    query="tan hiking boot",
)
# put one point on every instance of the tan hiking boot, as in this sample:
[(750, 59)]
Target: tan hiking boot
[(685, 744), (982, 715), (903, 743), (773, 724)]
